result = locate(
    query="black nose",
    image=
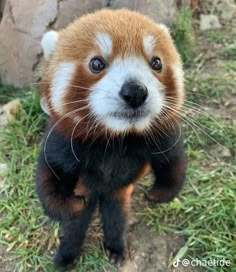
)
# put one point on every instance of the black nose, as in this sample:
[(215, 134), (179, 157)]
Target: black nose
[(134, 93)]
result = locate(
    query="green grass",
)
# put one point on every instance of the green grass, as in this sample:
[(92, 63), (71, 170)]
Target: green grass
[(205, 211), (28, 237), (183, 34), (8, 92), (230, 51), (22, 219), (215, 36)]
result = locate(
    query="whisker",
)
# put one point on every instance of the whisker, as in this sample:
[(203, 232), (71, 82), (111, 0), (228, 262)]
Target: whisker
[(72, 135), (49, 133), (178, 114), (166, 110), (107, 144), (183, 117), (69, 85), (40, 116), (168, 149), (202, 112), (93, 126)]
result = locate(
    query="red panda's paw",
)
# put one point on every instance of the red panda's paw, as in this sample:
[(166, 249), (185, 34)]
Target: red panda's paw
[(116, 254), (64, 262), (78, 204), (160, 195)]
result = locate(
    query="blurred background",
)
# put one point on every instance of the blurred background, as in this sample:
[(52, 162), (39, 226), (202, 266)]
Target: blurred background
[(200, 224)]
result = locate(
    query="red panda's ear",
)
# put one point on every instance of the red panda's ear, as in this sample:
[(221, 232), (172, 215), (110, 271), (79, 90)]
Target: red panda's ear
[(49, 42), (164, 28)]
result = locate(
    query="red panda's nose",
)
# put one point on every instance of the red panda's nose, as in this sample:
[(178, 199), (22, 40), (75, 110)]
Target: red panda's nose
[(133, 93)]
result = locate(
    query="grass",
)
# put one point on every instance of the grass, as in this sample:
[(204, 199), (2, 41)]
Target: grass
[(215, 36), (26, 234), (230, 51), (205, 210), (183, 34), (204, 213)]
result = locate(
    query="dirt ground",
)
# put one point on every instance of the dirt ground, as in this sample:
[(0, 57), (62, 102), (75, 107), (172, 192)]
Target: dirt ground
[(148, 251)]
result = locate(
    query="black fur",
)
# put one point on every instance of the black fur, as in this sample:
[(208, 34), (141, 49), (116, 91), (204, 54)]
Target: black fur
[(104, 167), (74, 232)]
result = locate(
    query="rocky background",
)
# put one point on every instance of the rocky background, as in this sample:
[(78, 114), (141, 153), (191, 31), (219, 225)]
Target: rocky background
[(23, 22)]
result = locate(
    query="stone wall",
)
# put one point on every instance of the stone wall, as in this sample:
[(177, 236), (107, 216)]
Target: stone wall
[(24, 22)]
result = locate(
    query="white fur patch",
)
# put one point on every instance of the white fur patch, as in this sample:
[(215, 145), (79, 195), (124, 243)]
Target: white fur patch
[(104, 42), (149, 44), (48, 43), (60, 82), (44, 105), (179, 79), (105, 99), (164, 28)]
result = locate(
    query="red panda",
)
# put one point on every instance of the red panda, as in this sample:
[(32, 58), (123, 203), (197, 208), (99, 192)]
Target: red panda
[(113, 88)]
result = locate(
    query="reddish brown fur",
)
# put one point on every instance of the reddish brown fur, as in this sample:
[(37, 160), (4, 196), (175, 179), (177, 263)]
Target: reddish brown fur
[(77, 43), (143, 172), (165, 194), (124, 194), (66, 207), (80, 190)]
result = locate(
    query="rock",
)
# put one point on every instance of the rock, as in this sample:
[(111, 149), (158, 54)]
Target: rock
[(185, 3), (21, 29), (3, 119), (208, 22), (70, 10), (2, 4), (3, 174), (24, 22), (227, 10), (3, 169), (8, 112), (158, 10), (226, 153)]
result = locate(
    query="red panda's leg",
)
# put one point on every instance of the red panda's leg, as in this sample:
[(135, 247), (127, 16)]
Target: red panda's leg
[(114, 208), (169, 172), (74, 232), (57, 196)]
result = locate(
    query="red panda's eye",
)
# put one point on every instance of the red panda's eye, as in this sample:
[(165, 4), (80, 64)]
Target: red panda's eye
[(156, 64), (97, 64)]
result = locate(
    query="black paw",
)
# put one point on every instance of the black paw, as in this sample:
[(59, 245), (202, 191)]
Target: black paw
[(160, 195), (63, 262), (116, 254)]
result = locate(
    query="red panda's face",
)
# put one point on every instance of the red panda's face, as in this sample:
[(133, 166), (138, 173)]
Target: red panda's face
[(112, 70)]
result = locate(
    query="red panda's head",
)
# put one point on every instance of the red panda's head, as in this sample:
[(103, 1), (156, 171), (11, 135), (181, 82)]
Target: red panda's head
[(111, 72)]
